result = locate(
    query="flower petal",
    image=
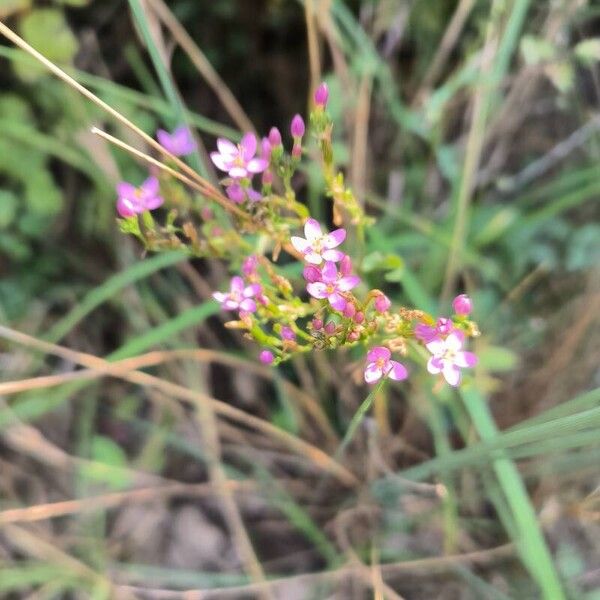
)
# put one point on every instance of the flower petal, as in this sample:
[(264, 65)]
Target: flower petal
[(311, 273), (329, 272), (153, 202), (455, 340), (237, 172), (230, 304), (226, 147), (465, 359), (248, 145), (237, 284), (436, 346), (333, 255), (253, 195), (251, 290), (248, 305), (220, 161), (335, 238), (451, 373), (425, 333), (299, 243), (317, 289), (235, 193), (220, 297), (257, 165), (313, 258), (378, 353), (372, 373), (312, 230), (125, 189), (126, 208), (435, 365), (338, 302), (347, 283), (150, 187), (398, 371)]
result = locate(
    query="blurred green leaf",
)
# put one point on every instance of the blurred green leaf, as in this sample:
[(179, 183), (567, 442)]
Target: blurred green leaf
[(498, 359), (109, 460), (536, 49), (588, 51), (8, 207)]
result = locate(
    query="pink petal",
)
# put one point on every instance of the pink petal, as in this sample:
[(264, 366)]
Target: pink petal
[(333, 255), (299, 243), (253, 195), (153, 202), (248, 145), (312, 230), (150, 187), (237, 172), (317, 289), (455, 340), (398, 371), (425, 333), (372, 373), (230, 304), (164, 139), (237, 284), (248, 305), (226, 147), (347, 283), (337, 301), (257, 165), (451, 373), (335, 238), (313, 258), (434, 365), (220, 297), (378, 353), (465, 359), (235, 193), (126, 208), (252, 290), (329, 272), (220, 161), (125, 189), (311, 273), (436, 346)]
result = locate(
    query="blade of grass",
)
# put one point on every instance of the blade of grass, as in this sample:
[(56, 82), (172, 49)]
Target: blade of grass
[(531, 542), (166, 80)]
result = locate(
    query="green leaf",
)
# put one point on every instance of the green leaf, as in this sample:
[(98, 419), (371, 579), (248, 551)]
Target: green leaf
[(498, 359), (8, 207), (48, 32), (109, 460), (536, 50), (588, 51)]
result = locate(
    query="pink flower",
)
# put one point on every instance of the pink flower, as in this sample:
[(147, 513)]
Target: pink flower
[(238, 161), (249, 265), (297, 127), (317, 246), (462, 305), (426, 333), (332, 286), (239, 194), (311, 273), (379, 365), (239, 297), (275, 137), (382, 303), (448, 357), (287, 333), (133, 201), (266, 357), (322, 95), (179, 143)]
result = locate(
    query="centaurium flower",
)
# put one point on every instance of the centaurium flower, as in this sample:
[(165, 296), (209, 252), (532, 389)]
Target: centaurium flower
[(318, 246), (462, 305), (321, 95), (297, 127), (332, 286), (382, 303), (240, 296), (448, 357), (379, 364), (274, 137), (426, 333), (178, 143), (239, 161), (249, 265), (266, 357), (135, 200), (238, 194)]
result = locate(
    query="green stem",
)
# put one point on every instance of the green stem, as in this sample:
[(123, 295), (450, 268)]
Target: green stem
[(530, 543)]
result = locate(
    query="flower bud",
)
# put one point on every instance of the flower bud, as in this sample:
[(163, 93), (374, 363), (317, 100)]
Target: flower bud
[(275, 137), (311, 273), (462, 305), (317, 324), (444, 325), (249, 265), (321, 95), (353, 336), (297, 127), (350, 310), (265, 148), (346, 266), (207, 213), (382, 303), (330, 328), (267, 177), (359, 317), (296, 151), (266, 357), (287, 333)]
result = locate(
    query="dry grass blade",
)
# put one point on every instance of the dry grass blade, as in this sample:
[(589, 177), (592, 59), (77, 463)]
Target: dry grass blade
[(199, 60), (315, 455), (313, 46)]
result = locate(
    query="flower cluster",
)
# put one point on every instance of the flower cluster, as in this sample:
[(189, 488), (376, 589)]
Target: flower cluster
[(334, 308)]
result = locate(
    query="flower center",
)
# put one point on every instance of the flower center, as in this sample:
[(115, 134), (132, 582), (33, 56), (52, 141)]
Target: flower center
[(381, 363), (449, 354), (330, 288)]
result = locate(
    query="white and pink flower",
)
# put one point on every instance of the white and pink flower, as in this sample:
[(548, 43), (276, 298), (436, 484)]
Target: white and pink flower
[(318, 246), (449, 357), (332, 286), (239, 297), (379, 364), (239, 161)]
